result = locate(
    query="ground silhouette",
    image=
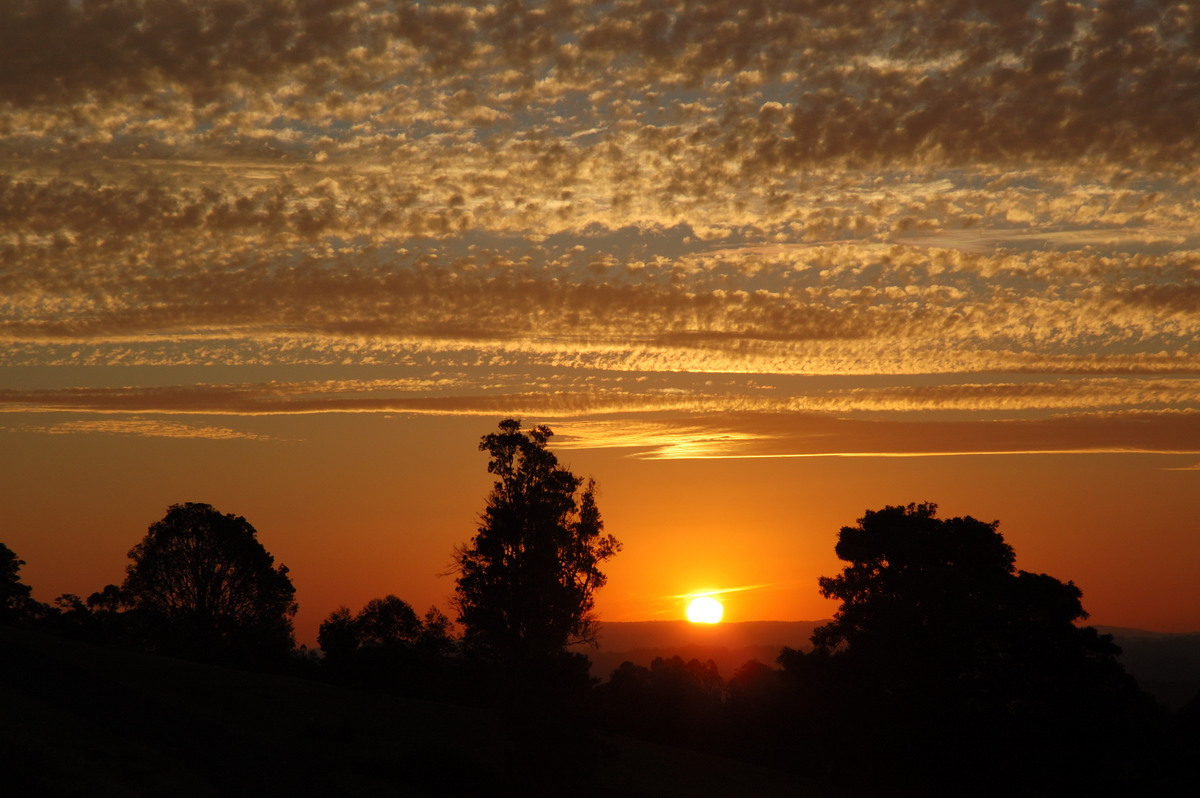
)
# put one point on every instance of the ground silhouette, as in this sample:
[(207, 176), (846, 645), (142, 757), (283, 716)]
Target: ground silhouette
[(81, 719), (945, 670)]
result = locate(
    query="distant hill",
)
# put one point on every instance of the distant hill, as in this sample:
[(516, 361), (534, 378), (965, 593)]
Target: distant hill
[(1166, 665), (729, 645)]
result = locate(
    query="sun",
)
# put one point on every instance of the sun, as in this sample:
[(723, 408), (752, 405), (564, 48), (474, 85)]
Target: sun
[(705, 609)]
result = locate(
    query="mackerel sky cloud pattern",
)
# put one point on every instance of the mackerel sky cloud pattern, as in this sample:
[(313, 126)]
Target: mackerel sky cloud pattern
[(722, 218)]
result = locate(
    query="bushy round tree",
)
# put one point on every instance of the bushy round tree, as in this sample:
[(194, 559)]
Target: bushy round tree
[(203, 585), (942, 655)]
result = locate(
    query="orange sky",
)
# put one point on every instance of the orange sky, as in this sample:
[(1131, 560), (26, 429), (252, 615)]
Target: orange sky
[(365, 505), (761, 267)]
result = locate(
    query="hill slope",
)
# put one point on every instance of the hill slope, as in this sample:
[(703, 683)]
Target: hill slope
[(81, 720)]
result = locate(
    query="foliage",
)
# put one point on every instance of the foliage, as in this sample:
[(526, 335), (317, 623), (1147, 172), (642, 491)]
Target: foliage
[(913, 574), (946, 591), (104, 618), (338, 635), (940, 639), (386, 623), (436, 635), (386, 645), (16, 605), (672, 701), (526, 582), (203, 585)]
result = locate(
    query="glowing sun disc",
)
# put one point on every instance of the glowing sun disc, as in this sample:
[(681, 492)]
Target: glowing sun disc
[(705, 609)]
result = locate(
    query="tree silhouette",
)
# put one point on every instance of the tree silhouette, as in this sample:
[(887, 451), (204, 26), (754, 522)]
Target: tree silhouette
[(387, 646), (947, 590), (758, 712), (338, 637), (386, 622), (16, 605), (436, 638), (202, 585), (103, 618), (526, 582), (673, 701), (940, 639)]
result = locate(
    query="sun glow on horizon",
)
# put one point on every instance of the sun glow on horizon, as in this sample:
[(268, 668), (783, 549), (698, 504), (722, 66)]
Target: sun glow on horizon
[(705, 609)]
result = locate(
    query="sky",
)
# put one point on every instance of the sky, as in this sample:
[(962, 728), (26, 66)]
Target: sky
[(761, 266)]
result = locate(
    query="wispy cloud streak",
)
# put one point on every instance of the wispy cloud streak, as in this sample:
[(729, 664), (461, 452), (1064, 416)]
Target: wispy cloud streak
[(142, 428), (722, 591)]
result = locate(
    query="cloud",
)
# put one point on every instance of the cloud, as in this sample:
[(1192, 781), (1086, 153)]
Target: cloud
[(477, 391), (56, 52), (829, 307), (687, 416), (724, 590), (142, 428), (809, 83), (789, 435), (611, 188)]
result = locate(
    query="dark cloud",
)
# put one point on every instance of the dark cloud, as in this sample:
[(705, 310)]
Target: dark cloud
[(868, 83), (59, 51), (1057, 81)]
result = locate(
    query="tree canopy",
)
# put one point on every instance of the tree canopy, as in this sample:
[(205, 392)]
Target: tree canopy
[(526, 582), (386, 645), (942, 654), (384, 623), (15, 598), (203, 585), (947, 588)]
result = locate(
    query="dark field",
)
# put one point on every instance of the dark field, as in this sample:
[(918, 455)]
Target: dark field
[(82, 720)]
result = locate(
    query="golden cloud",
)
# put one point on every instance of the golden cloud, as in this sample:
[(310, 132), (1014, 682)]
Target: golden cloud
[(614, 188)]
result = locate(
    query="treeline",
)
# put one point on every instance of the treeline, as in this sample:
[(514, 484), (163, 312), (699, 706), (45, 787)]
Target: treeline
[(199, 585), (945, 668)]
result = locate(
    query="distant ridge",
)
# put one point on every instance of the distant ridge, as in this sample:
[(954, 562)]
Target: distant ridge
[(1130, 633), (730, 645), (1165, 664), (616, 636)]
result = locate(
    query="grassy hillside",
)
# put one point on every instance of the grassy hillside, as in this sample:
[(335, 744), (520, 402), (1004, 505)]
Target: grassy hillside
[(81, 720)]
